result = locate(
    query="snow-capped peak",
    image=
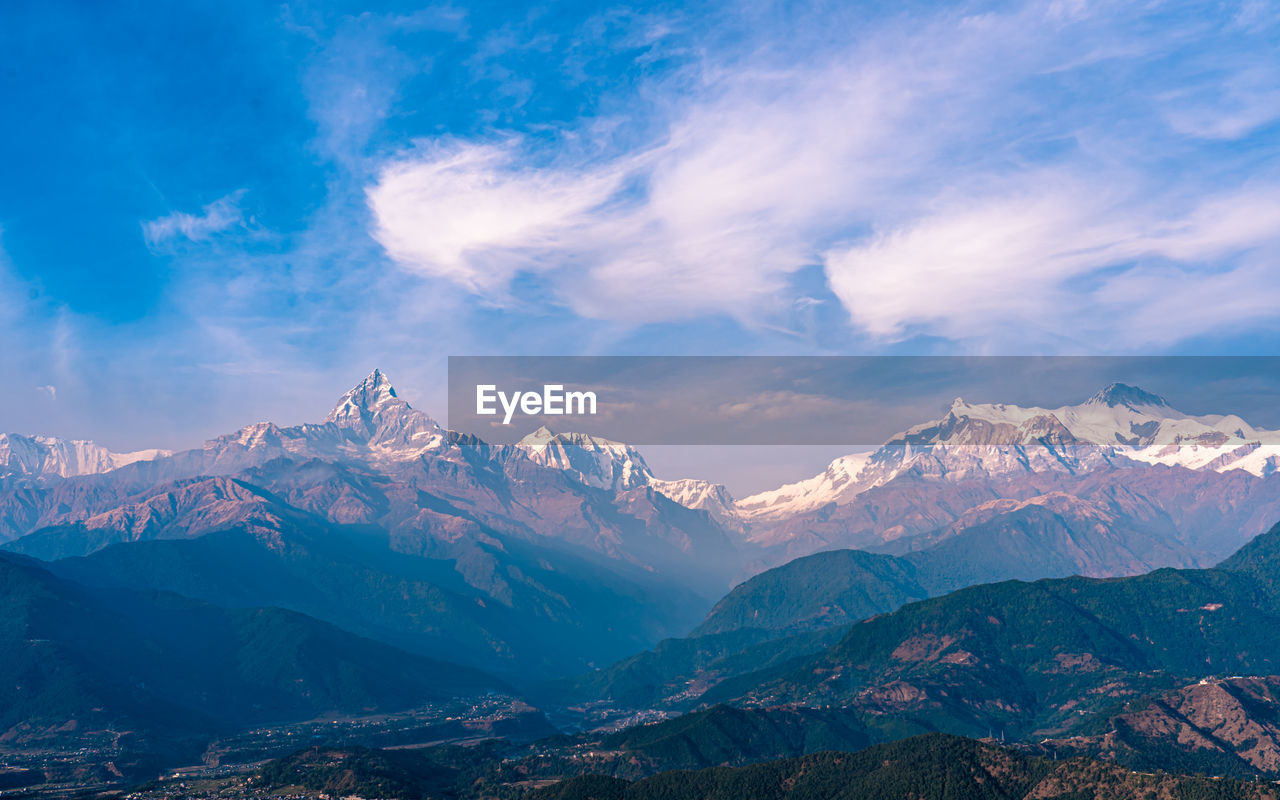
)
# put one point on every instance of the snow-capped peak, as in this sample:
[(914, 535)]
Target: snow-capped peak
[(394, 428), (366, 399), (839, 480), (593, 460), (1117, 394), (606, 464), (369, 422), (540, 438), (1120, 423), (48, 455)]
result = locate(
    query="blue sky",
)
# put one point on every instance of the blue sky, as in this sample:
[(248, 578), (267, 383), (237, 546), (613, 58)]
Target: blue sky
[(214, 213)]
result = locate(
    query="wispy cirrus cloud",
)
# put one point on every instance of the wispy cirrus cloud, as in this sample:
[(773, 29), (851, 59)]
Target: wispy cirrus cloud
[(749, 177), (1054, 252), (490, 217), (958, 173), (217, 217), (710, 218)]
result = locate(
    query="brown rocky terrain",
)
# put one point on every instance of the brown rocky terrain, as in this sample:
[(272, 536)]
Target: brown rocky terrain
[(1229, 726)]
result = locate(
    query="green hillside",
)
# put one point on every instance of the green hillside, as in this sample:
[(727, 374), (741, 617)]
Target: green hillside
[(818, 591), (1036, 658), (724, 735), (164, 664), (932, 767)]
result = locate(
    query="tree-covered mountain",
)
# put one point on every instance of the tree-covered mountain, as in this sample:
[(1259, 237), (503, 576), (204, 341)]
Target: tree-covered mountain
[(436, 773), (75, 658), (1034, 659), (819, 591), (789, 611), (924, 767), (1227, 726), (726, 736), (931, 767), (1052, 535), (512, 608)]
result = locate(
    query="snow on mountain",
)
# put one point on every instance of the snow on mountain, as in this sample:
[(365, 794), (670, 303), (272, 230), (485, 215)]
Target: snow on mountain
[(47, 455), (369, 422), (606, 464), (840, 480), (1119, 424), (714, 498), (593, 460), (390, 425), (360, 406)]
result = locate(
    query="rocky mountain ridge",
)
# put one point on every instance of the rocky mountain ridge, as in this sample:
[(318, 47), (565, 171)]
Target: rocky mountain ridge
[(1118, 426)]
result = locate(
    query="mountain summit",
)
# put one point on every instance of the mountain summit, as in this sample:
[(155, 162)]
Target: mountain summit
[(48, 455), (374, 412), (606, 464), (1122, 394), (1119, 424), (364, 401), (369, 422), (593, 460)]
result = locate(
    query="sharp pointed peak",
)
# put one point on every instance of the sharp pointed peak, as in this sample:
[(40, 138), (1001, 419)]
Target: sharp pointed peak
[(1122, 394), (377, 380), (539, 438), (367, 397)]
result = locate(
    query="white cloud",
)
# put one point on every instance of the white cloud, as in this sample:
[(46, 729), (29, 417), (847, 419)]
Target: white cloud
[(954, 175), (1061, 253), (1229, 107), (712, 218), (220, 215), (466, 212)]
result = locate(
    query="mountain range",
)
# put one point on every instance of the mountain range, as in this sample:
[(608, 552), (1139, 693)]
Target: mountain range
[(385, 561), (65, 458), (1122, 481), (1118, 424), (379, 520), (442, 544), (1133, 483)]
